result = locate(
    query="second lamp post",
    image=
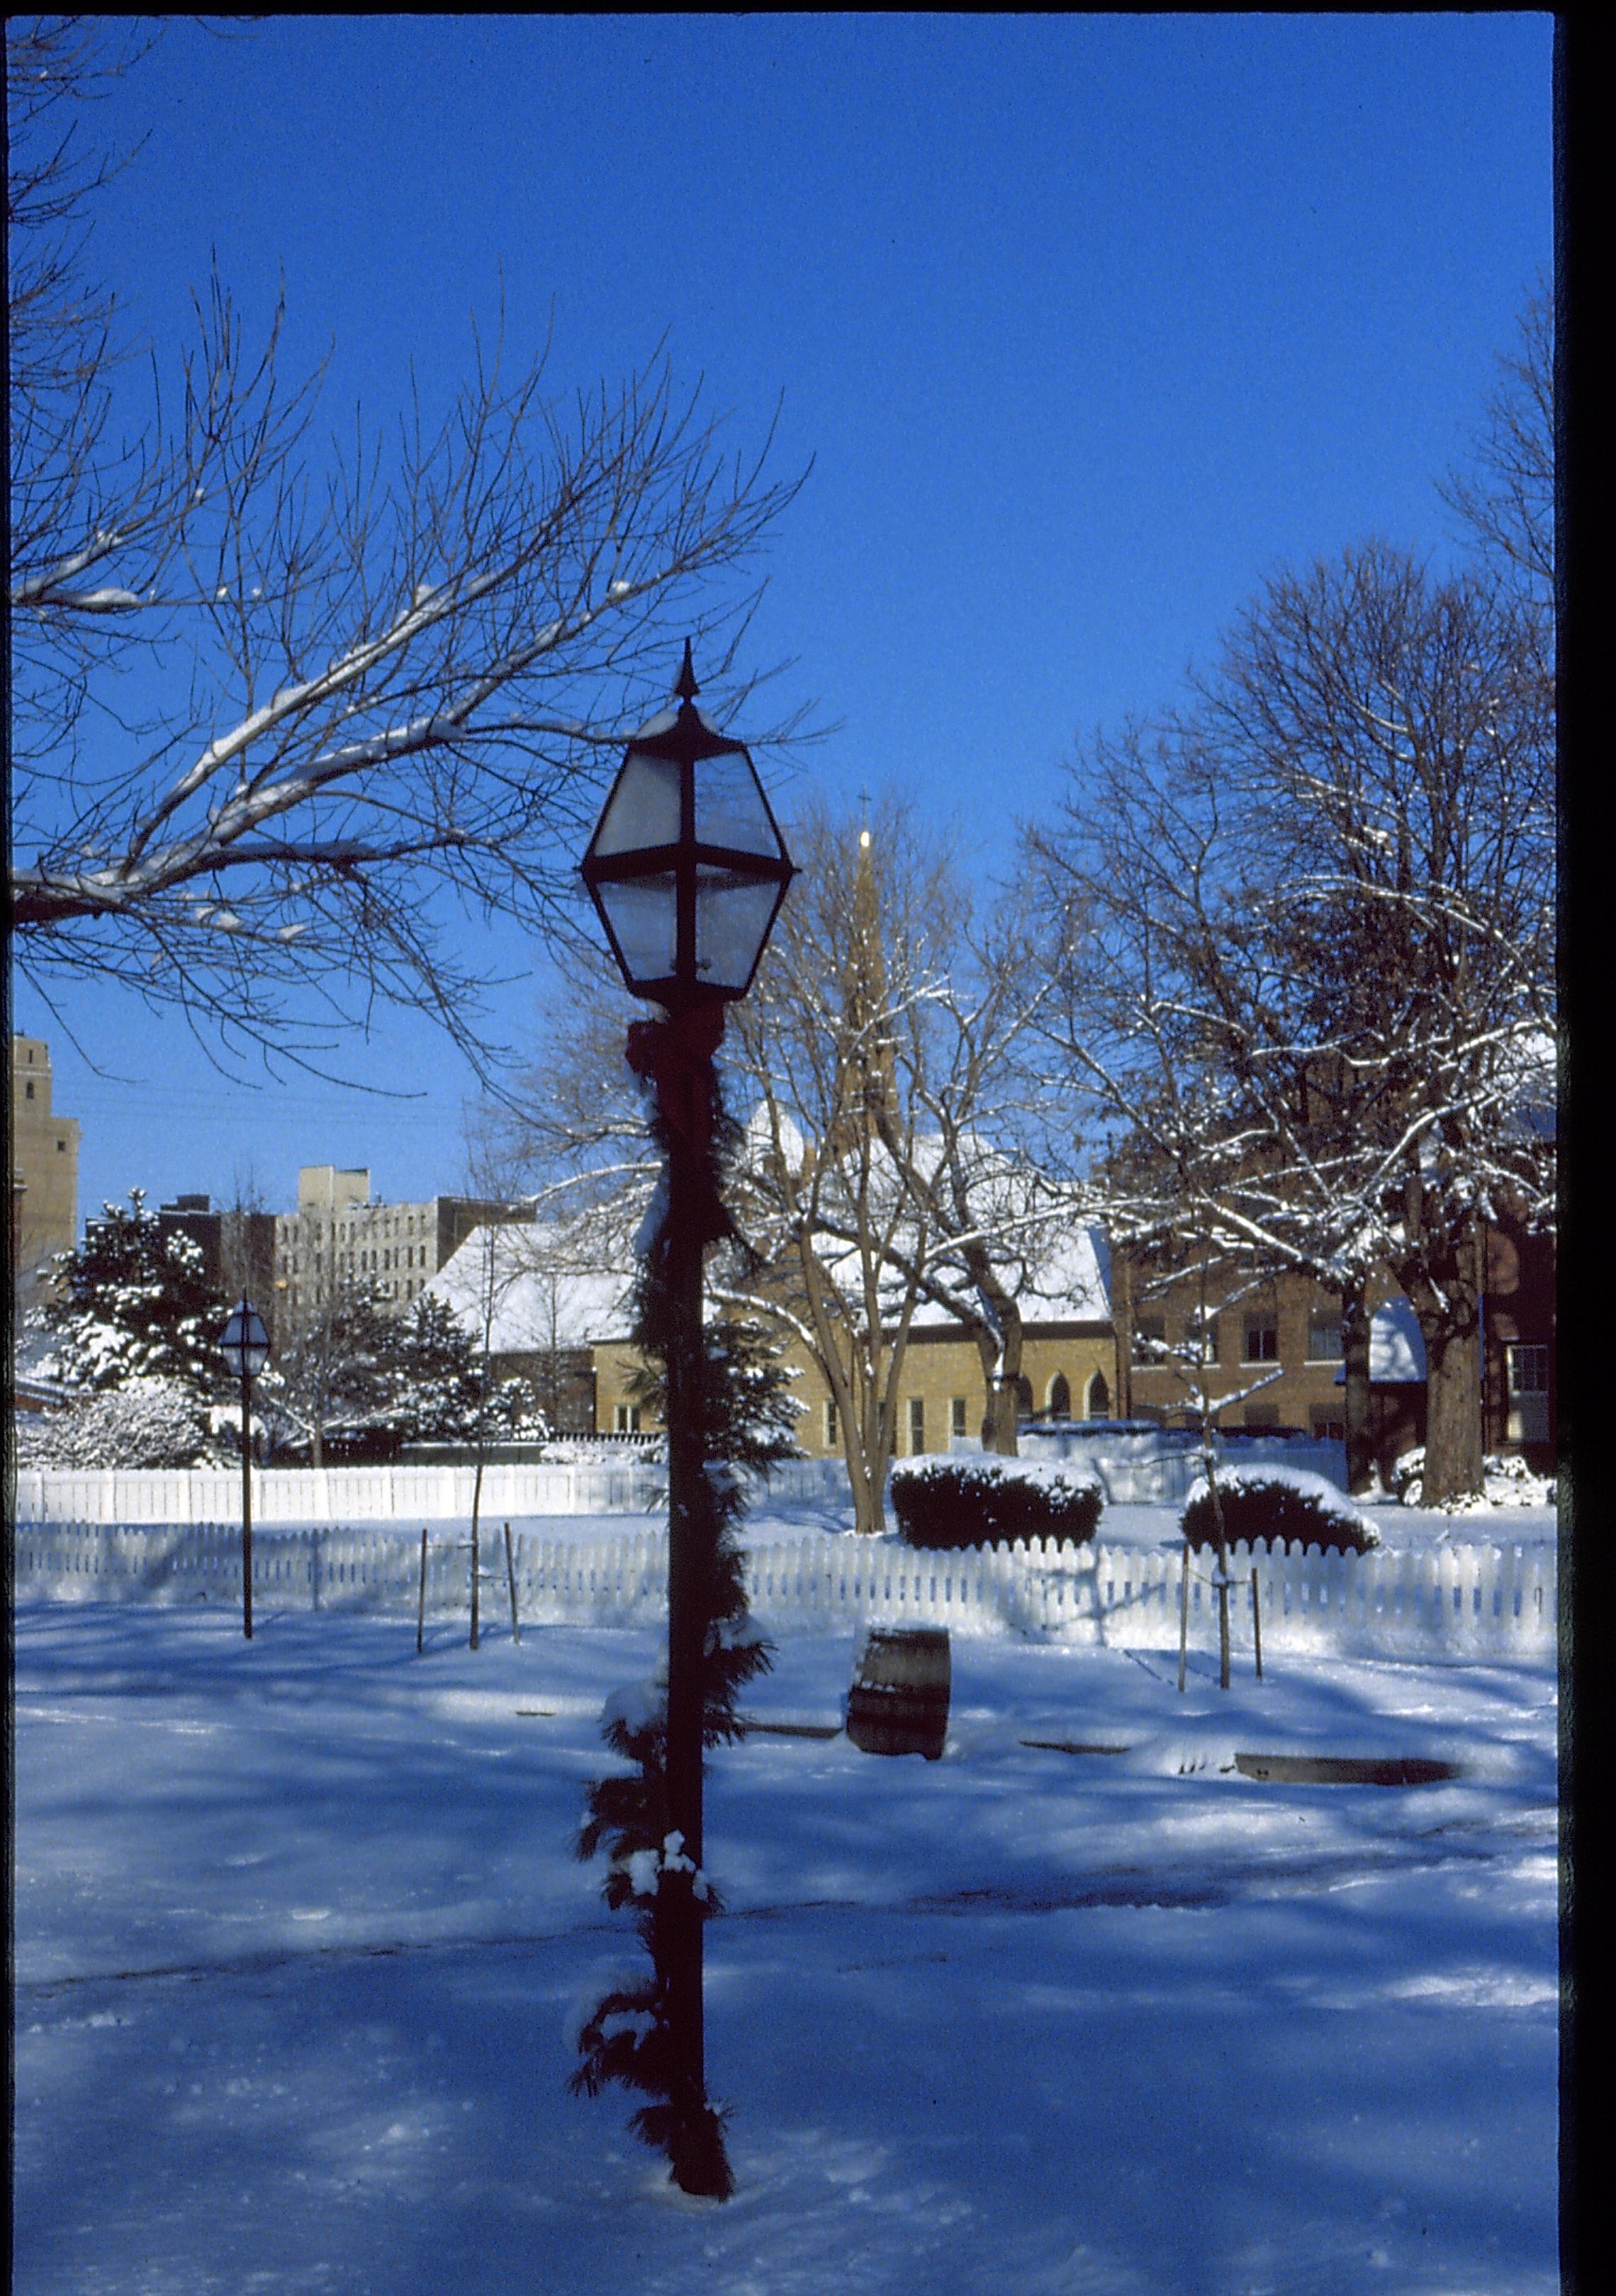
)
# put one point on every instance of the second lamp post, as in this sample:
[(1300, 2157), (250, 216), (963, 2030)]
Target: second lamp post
[(244, 1344)]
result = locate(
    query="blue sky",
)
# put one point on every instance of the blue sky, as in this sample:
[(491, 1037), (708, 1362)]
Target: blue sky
[(1087, 323)]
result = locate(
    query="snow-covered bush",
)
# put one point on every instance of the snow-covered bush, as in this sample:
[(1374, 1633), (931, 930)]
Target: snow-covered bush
[(1277, 1502), (147, 1423), (1507, 1481), (980, 1500)]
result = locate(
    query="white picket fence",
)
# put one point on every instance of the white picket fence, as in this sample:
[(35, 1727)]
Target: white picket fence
[(1132, 1471), (337, 1495), (1416, 1603)]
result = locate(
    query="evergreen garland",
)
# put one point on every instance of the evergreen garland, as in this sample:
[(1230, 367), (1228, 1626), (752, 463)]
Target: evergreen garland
[(743, 1418)]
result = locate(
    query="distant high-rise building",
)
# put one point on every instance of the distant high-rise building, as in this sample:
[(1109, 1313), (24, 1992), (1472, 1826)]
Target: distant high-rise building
[(237, 1248), (339, 1244), (323, 1188), (45, 1170)]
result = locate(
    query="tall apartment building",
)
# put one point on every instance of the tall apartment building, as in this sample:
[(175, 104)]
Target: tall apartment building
[(44, 1170), (237, 1248), (338, 1242)]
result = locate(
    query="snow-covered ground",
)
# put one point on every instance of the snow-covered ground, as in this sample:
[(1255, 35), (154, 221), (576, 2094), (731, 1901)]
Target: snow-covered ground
[(298, 1930)]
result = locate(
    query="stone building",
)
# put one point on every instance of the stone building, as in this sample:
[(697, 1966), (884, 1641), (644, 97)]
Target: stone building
[(44, 1171)]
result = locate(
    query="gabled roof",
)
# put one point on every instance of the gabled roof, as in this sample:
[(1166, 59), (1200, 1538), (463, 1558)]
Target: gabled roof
[(1066, 1273), (540, 1284)]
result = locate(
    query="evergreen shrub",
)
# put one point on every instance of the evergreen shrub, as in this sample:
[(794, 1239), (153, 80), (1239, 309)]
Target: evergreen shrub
[(986, 1501), (1277, 1502)]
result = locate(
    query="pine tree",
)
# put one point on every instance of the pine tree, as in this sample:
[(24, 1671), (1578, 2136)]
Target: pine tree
[(138, 1307), (435, 1382)]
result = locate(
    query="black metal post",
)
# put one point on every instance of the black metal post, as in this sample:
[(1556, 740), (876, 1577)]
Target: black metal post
[(688, 1580), (246, 1496)]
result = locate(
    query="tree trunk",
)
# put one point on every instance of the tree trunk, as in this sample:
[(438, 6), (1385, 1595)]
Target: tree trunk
[(1122, 1324), (1448, 1303), (869, 1516), (476, 1555), (1000, 1351), (878, 1422), (1453, 1408), (1357, 1407), (1007, 1401), (316, 1456), (999, 1427)]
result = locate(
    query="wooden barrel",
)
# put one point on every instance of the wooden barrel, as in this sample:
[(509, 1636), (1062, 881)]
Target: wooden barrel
[(898, 1703)]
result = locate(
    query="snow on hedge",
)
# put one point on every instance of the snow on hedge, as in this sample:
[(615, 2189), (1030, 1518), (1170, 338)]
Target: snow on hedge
[(1325, 1497), (986, 1467)]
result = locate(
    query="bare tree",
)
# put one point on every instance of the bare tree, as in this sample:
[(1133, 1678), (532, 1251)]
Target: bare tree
[(1308, 933), (1504, 499), (881, 1172), (993, 1178), (886, 1114), (285, 707)]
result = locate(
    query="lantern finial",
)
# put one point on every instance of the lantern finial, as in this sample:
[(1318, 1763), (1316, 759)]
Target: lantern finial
[(687, 689)]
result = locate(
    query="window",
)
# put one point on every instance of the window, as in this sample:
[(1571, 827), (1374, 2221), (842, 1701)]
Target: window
[(1528, 1370), (1325, 1430), (28, 1089), (628, 1419), (1201, 1336), (62, 1147), (832, 1433), (1262, 1414), (1324, 1335), (1099, 1397), (1262, 1342), (1526, 1375), (1060, 1397), (917, 1422), (1024, 1399), (1150, 1337), (956, 1415)]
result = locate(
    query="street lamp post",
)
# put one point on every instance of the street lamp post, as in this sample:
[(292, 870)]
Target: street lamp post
[(687, 869), (245, 1345)]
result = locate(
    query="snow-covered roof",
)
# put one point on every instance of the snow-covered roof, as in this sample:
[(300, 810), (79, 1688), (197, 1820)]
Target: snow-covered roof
[(535, 1283), (1070, 1284), (1396, 1352)]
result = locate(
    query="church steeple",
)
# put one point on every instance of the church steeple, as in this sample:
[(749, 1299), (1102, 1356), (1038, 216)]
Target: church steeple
[(867, 1088)]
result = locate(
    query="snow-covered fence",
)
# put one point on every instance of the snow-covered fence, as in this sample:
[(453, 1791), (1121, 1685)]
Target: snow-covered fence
[(1417, 1602), (354, 1567), (1391, 1602), (341, 1494), (1133, 1471)]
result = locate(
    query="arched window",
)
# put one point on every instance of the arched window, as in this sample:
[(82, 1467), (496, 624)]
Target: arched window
[(1060, 1397), (1098, 1405), (1024, 1399)]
